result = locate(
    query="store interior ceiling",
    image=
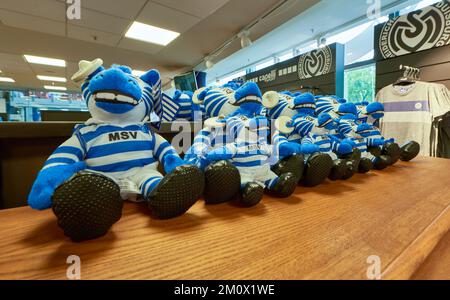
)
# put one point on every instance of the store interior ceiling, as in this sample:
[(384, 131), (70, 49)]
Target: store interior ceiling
[(41, 28)]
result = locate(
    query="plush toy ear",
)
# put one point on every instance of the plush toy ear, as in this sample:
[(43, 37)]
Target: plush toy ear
[(270, 99), (198, 96), (177, 95), (152, 77), (282, 125), (124, 69)]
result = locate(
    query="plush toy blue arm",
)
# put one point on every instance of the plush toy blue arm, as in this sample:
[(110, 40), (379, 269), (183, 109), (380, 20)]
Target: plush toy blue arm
[(195, 155), (65, 161), (375, 142), (222, 153), (288, 149), (308, 146), (167, 155), (48, 180), (350, 142), (340, 147)]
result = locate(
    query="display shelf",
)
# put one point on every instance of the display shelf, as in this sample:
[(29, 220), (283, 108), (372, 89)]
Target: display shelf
[(65, 129), (326, 232)]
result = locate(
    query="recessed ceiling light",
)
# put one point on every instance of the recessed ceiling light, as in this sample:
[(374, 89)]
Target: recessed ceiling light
[(55, 88), (138, 72), (51, 78), (151, 34), (45, 61), (6, 79)]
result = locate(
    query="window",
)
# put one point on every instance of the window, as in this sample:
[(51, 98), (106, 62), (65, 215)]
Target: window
[(265, 64), (286, 56), (420, 5), (359, 84), (231, 77)]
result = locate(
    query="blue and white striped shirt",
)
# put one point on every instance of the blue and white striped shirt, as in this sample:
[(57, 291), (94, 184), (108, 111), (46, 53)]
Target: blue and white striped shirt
[(112, 149)]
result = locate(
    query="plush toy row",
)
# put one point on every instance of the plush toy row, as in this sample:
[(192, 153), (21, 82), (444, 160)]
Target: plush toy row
[(315, 138), (115, 155)]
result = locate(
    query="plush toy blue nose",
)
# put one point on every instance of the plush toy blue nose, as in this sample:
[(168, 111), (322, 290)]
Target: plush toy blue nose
[(362, 128), (348, 108), (325, 120), (115, 90), (305, 103), (375, 109)]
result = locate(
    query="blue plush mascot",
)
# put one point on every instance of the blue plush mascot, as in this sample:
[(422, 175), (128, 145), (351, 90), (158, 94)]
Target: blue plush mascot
[(114, 157)]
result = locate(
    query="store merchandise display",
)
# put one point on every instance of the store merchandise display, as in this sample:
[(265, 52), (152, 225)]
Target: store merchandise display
[(235, 155), (415, 111), (357, 123), (114, 157), (217, 101), (298, 122), (236, 149)]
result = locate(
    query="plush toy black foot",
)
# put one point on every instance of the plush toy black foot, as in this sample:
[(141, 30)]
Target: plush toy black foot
[(350, 170), (338, 170), (222, 182), (383, 161), (365, 165), (318, 167), (285, 186), (409, 151), (393, 151), (87, 206), (375, 151), (176, 192), (251, 194), (294, 164), (354, 158)]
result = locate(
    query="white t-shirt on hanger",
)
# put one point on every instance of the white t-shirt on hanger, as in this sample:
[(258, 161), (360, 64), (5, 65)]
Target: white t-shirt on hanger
[(410, 112)]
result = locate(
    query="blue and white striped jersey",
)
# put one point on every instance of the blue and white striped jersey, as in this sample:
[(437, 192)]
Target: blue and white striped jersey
[(112, 149), (185, 102)]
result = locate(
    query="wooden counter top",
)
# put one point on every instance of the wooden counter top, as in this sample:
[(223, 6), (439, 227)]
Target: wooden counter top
[(327, 232)]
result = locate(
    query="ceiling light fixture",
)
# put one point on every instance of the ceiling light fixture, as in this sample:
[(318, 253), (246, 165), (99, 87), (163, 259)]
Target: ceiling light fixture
[(45, 61), (6, 79), (321, 41), (151, 34), (244, 35), (209, 63), (245, 38), (51, 78), (138, 73), (55, 88)]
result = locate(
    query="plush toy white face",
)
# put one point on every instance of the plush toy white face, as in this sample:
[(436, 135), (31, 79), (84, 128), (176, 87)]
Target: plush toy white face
[(116, 96)]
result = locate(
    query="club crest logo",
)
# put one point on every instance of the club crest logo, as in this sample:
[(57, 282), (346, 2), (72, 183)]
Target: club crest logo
[(416, 31), (315, 63)]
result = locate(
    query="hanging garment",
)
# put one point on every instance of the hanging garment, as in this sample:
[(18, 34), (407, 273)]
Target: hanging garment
[(441, 128), (411, 111)]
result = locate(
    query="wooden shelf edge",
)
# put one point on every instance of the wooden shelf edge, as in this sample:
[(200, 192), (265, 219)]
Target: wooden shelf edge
[(407, 263)]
